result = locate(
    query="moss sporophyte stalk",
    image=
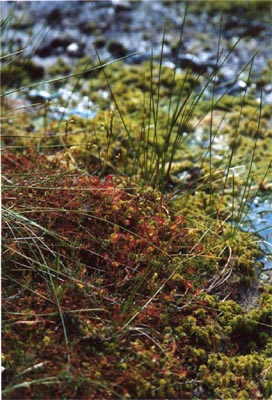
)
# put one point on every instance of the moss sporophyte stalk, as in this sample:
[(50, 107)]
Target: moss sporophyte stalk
[(125, 270)]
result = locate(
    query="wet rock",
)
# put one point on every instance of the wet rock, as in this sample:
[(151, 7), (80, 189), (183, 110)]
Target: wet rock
[(254, 29), (75, 50), (196, 64), (54, 16), (61, 42), (239, 87), (88, 27), (117, 49), (224, 87), (100, 42), (121, 5), (268, 91), (55, 46), (39, 96), (243, 27)]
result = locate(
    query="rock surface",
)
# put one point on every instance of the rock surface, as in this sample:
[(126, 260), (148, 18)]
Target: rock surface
[(119, 28)]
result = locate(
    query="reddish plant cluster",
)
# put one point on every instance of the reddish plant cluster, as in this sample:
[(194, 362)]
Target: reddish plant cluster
[(100, 226), (100, 276), (107, 246)]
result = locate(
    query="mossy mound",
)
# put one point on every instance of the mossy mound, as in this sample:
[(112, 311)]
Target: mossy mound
[(119, 295)]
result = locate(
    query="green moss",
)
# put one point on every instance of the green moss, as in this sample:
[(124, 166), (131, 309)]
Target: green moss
[(250, 8), (60, 68)]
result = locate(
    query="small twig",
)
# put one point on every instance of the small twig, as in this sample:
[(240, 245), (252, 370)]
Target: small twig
[(223, 275)]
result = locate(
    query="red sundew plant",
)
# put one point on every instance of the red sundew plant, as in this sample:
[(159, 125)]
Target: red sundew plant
[(108, 286), (98, 227)]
